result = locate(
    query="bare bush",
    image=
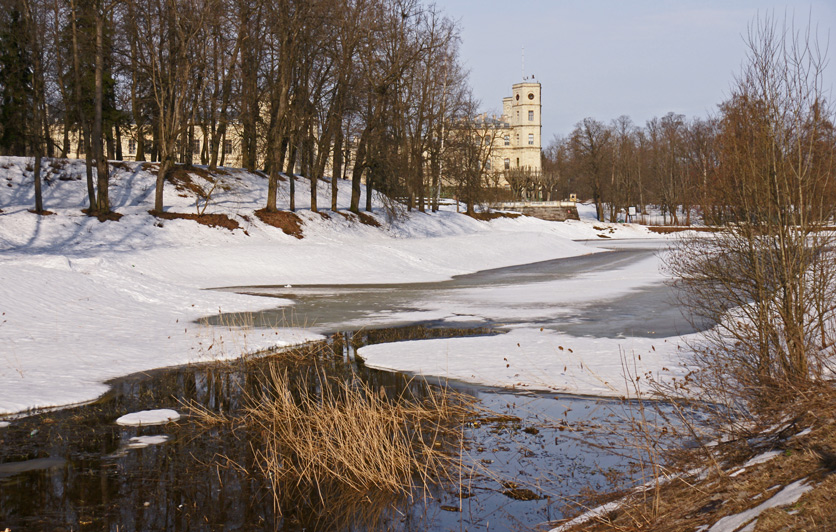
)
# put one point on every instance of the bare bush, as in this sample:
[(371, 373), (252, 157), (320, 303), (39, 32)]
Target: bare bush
[(765, 282)]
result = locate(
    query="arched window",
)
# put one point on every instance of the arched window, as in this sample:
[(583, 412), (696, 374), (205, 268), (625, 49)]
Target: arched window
[(507, 163), (531, 139)]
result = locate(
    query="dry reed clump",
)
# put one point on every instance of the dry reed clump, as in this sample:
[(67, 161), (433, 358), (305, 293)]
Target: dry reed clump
[(342, 434)]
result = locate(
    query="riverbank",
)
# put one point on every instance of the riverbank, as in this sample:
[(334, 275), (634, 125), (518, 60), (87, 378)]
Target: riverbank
[(777, 477), (84, 301)]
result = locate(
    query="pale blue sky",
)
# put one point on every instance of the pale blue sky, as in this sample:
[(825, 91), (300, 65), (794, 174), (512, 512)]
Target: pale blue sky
[(605, 58)]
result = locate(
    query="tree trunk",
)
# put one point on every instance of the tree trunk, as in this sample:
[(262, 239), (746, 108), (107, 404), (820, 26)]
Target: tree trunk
[(291, 167), (369, 191), (357, 173), (276, 164), (103, 202), (337, 167), (165, 165), (88, 161)]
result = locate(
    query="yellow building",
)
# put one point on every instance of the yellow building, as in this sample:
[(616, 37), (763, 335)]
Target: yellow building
[(517, 142), (515, 138)]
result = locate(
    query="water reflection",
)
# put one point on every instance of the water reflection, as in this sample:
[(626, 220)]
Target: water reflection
[(74, 468)]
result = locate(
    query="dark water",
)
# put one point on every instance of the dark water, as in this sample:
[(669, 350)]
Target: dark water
[(73, 469)]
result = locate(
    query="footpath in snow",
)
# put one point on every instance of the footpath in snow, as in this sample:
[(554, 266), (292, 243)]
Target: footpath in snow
[(84, 301)]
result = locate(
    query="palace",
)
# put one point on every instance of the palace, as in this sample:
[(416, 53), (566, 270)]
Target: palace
[(517, 137)]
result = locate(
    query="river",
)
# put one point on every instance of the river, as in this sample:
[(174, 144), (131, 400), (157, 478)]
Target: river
[(76, 469)]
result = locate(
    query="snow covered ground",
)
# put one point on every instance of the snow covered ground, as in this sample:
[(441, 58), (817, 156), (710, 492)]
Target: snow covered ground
[(84, 301)]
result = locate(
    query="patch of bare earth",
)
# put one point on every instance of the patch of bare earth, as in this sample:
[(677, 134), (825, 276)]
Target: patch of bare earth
[(211, 220), (805, 440), (111, 216), (362, 217), (120, 165), (287, 221), (182, 177)]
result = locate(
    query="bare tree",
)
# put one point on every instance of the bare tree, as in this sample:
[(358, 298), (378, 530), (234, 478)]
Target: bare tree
[(766, 281), (38, 133), (166, 33), (471, 142), (590, 149)]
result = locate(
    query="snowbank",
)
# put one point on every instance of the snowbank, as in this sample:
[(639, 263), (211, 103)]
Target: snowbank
[(535, 359)]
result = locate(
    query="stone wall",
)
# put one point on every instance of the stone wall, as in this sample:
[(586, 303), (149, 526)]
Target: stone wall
[(555, 211)]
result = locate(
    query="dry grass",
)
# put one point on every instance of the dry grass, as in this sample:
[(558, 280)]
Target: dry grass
[(180, 176), (211, 220), (363, 217), (289, 222), (336, 432), (333, 451), (699, 493)]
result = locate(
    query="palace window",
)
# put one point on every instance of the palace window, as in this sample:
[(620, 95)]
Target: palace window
[(531, 139), (507, 164), (488, 164), (507, 140), (227, 146), (196, 146), (531, 116), (131, 146)]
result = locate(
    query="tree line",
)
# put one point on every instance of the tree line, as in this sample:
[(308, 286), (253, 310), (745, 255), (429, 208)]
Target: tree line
[(673, 162), (361, 86)]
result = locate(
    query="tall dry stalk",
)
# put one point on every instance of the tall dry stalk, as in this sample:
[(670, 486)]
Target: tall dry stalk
[(331, 432)]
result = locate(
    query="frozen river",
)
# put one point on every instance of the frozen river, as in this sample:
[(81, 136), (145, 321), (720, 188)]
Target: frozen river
[(76, 467), (614, 292)]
